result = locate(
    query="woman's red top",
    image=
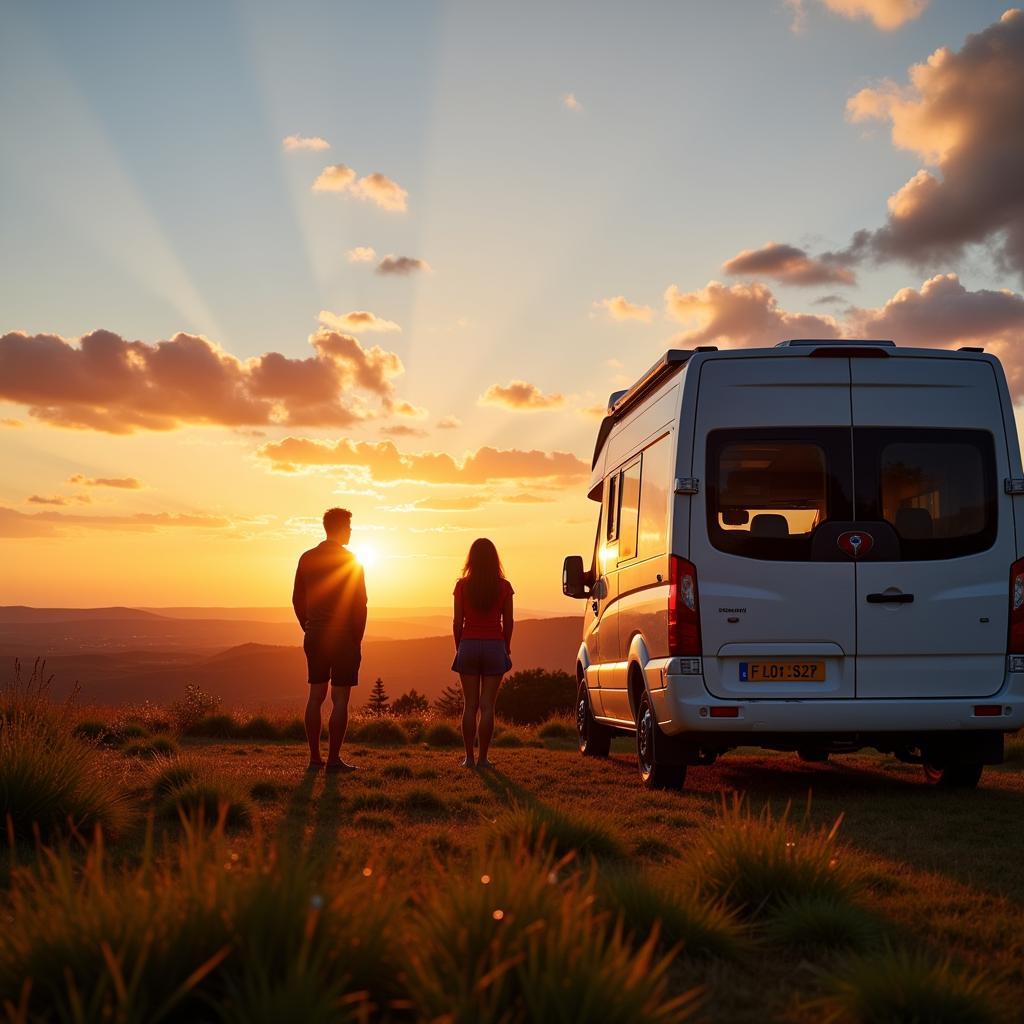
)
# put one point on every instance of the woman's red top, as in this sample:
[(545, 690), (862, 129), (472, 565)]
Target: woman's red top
[(486, 625)]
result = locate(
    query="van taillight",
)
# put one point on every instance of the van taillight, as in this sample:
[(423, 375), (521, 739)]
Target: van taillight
[(683, 608), (1015, 643)]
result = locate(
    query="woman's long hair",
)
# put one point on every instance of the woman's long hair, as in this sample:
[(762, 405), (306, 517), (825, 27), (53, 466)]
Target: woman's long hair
[(483, 575)]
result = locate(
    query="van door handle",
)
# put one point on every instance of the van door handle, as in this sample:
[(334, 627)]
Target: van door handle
[(593, 604), (890, 598)]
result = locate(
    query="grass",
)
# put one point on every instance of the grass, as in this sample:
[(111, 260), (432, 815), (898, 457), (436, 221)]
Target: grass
[(441, 734), (818, 923), (385, 732), (150, 746), (557, 729), (565, 832)]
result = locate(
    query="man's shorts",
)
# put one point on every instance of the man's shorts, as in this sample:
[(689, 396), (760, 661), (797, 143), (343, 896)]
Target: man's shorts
[(332, 657)]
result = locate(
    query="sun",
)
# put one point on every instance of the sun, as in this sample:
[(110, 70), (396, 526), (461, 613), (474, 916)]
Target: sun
[(366, 554)]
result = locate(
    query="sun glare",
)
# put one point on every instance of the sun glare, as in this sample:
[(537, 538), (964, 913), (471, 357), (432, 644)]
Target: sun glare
[(366, 554)]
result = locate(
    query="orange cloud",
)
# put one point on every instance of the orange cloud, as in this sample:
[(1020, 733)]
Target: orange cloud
[(382, 462), (357, 321), (401, 265), (886, 15), (790, 265), (103, 382), (8, 422), (124, 482), (361, 254), (570, 102), (449, 423), (380, 189), (620, 308), (404, 430), (293, 142), (521, 397), (49, 524), (464, 503), (334, 178), (39, 499), (961, 112), (742, 315)]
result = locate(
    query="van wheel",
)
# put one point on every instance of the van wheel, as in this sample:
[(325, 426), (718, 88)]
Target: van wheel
[(593, 739), (654, 774), (955, 776)]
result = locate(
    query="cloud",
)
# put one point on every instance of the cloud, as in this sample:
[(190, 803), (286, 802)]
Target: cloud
[(50, 524), (832, 299), (380, 189), (961, 112), (382, 462), (103, 382), (8, 422), (361, 254), (128, 483), (404, 408), (293, 142), (334, 178), (39, 499), (620, 308), (527, 499), (404, 430), (463, 503), (449, 423), (790, 265), (943, 313), (401, 265), (886, 15), (357, 321), (521, 397), (742, 315), (596, 411), (570, 102)]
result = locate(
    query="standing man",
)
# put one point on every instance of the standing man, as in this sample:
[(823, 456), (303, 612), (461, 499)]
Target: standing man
[(329, 599)]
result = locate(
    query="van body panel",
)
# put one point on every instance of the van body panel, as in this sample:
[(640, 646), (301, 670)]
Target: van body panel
[(750, 600), (950, 639)]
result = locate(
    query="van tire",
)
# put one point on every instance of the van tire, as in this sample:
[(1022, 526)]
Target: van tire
[(592, 738), (954, 776), (654, 773)]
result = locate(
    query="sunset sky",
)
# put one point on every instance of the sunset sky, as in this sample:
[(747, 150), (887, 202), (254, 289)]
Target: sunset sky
[(260, 259)]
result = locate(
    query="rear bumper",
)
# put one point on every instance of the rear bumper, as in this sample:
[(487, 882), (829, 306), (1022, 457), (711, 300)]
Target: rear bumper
[(683, 705)]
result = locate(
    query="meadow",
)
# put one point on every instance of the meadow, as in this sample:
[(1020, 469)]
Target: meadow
[(169, 870)]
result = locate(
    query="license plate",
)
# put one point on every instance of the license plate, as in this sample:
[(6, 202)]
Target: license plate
[(782, 671)]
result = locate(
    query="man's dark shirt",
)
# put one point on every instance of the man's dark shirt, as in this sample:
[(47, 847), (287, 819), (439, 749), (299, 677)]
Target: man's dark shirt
[(330, 591)]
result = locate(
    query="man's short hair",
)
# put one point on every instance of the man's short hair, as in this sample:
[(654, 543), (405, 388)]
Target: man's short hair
[(337, 519)]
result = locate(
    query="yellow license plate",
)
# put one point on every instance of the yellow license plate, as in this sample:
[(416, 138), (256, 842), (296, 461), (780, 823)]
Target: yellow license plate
[(782, 671)]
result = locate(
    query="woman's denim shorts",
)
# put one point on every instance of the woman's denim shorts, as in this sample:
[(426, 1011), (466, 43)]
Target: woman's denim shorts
[(481, 658)]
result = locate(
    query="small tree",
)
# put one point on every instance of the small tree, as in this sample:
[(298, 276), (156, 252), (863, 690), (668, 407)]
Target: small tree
[(411, 703), (378, 704), (449, 704), (533, 695)]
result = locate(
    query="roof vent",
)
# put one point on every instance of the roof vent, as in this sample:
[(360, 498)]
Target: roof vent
[(835, 342), (970, 348)]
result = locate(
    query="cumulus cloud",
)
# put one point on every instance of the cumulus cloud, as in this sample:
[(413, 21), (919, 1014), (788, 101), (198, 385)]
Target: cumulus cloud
[(618, 307), (449, 423), (361, 254), (293, 142), (886, 15), (334, 178), (380, 189), (790, 265), (570, 102), (403, 430), (405, 408), (742, 315), (961, 112), (401, 265), (103, 382), (128, 483), (521, 397), (357, 321), (50, 524), (381, 462)]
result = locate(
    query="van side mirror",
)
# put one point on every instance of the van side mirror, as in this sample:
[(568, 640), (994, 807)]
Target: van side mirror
[(573, 577)]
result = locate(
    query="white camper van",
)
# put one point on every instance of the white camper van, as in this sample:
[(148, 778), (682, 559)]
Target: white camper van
[(813, 547)]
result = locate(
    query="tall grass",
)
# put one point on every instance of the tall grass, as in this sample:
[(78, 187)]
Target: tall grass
[(565, 832)]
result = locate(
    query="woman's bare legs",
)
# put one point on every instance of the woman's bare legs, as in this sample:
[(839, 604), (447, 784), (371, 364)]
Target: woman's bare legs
[(488, 692), (471, 693)]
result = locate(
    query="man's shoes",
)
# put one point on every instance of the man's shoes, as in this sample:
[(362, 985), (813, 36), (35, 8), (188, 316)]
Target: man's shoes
[(334, 767)]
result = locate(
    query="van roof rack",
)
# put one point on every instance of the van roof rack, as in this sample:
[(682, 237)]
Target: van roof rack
[(839, 342)]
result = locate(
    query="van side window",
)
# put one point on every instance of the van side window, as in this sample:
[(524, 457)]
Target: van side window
[(935, 487), (655, 484), (629, 511), (769, 490), (612, 509)]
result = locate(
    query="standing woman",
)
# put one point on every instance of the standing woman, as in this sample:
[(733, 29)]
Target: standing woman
[(482, 625)]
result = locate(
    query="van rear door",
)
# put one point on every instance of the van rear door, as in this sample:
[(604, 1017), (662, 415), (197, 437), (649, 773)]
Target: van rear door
[(930, 454), (772, 450)]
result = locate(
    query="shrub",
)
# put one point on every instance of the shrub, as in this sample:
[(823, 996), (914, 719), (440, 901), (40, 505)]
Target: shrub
[(816, 923), (209, 799), (899, 987), (151, 746), (508, 739), (381, 732), (565, 832), (195, 705), (121, 732), (49, 778), (259, 728), (441, 734), (534, 695), (293, 729), (170, 773), (701, 928), (220, 727), (527, 943), (413, 728), (91, 730), (756, 863), (411, 703), (557, 729), (214, 926)]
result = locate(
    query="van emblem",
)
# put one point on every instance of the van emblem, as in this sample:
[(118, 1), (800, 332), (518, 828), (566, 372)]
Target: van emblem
[(855, 543)]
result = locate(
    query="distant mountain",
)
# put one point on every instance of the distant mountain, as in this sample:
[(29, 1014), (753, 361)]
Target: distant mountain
[(255, 674), (16, 613)]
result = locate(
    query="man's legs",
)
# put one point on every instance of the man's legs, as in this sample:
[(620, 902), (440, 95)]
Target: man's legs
[(488, 693), (471, 693), (317, 695), (338, 723)]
